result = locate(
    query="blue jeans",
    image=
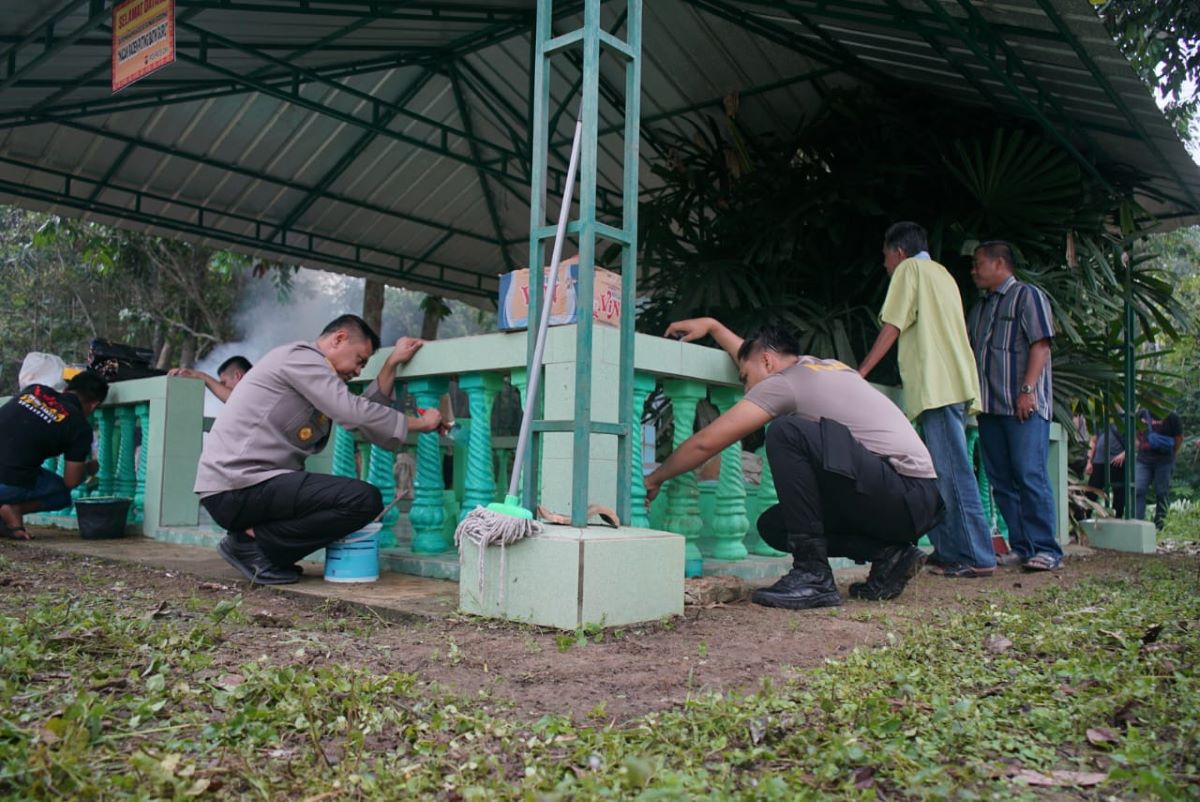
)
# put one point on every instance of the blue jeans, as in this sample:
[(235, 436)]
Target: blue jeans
[(50, 489), (963, 536), (1160, 476), (1014, 454)]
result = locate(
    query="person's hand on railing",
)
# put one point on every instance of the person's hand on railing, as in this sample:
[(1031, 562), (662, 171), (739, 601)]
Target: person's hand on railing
[(404, 350), (691, 329)]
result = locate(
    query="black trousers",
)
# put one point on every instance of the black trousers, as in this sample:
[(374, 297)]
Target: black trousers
[(831, 487), (297, 513)]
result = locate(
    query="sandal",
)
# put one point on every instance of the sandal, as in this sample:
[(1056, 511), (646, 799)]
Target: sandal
[(1042, 562), (18, 533), (963, 571)]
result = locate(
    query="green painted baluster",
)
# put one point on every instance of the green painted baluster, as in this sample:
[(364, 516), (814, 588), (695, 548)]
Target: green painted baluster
[(104, 450), (991, 512), (480, 486), (126, 475), (639, 515), (767, 498), (683, 494), (381, 472), (343, 453), (142, 412), (428, 514), (730, 523)]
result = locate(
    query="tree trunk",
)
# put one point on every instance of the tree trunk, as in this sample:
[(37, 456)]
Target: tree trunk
[(187, 355), (372, 311), (430, 322), (164, 355)]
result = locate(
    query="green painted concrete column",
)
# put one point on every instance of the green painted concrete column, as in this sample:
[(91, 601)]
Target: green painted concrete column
[(643, 386), (683, 494), (125, 482), (104, 450), (480, 487), (428, 513), (343, 453), (729, 523), (767, 498), (142, 413), (381, 472)]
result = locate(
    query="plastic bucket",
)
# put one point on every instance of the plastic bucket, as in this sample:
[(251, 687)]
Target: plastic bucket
[(354, 558), (102, 517)]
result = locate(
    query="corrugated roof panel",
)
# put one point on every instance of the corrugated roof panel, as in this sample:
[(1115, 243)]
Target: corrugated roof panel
[(253, 160)]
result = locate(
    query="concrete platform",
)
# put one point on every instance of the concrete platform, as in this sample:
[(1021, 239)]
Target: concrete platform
[(1139, 537), (395, 597)]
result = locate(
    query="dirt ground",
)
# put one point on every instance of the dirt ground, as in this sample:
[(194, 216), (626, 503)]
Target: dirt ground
[(610, 675)]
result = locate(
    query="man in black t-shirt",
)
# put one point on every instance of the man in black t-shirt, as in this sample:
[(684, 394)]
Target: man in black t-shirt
[(1158, 440), (36, 424)]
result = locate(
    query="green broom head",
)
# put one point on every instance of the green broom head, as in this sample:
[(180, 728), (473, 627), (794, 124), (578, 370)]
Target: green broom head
[(511, 506)]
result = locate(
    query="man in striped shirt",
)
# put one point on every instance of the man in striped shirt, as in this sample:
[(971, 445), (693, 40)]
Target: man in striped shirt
[(1010, 333)]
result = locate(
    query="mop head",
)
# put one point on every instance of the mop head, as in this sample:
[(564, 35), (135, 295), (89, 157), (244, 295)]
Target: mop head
[(496, 524)]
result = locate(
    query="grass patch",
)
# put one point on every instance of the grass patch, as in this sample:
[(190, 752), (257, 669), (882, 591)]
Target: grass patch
[(1098, 679)]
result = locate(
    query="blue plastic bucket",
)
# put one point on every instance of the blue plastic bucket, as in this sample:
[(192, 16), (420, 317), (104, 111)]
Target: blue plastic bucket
[(354, 558)]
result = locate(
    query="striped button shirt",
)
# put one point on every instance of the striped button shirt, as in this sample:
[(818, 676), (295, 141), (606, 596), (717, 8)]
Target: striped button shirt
[(1002, 327)]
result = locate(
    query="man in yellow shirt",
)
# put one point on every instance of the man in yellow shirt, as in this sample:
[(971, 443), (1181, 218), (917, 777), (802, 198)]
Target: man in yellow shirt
[(923, 310)]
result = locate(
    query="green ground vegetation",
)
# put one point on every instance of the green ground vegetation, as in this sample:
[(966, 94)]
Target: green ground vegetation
[(1083, 691)]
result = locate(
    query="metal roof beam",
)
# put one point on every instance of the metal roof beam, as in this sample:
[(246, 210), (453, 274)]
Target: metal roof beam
[(491, 96), (203, 90), (465, 114), (377, 107), (51, 47), (1113, 96), (406, 264), (332, 174), (979, 30), (275, 180), (871, 13), (773, 32), (401, 11)]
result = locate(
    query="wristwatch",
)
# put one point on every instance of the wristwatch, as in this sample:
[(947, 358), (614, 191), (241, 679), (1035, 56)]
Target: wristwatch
[(1026, 389)]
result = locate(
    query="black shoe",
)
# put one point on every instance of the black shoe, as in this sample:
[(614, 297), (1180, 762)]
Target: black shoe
[(253, 564), (806, 586), (890, 572)]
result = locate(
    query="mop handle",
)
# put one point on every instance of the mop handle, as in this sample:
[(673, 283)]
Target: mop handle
[(535, 369)]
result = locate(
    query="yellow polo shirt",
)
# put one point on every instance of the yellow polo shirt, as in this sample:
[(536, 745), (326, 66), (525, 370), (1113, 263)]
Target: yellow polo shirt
[(937, 365)]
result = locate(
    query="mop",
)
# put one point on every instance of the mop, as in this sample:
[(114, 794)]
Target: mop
[(507, 522)]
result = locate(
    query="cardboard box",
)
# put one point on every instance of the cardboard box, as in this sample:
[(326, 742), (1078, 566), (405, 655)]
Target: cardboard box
[(606, 298)]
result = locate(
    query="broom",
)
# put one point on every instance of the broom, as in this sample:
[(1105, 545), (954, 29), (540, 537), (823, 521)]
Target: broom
[(507, 521)]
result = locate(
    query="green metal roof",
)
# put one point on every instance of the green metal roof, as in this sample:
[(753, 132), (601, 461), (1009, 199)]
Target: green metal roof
[(392, 138)]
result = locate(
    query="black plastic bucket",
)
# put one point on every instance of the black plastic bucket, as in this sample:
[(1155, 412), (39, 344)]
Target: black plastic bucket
[(102, 517)]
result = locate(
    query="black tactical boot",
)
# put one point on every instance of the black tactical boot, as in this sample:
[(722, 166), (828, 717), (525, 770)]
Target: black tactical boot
[(809, 584), (890, 571), (254, 565)]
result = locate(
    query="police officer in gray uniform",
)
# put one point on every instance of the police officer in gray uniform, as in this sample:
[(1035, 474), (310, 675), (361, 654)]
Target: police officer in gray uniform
[(251, 476)]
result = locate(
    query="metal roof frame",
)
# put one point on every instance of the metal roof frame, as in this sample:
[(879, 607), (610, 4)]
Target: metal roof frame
[(403, 125)]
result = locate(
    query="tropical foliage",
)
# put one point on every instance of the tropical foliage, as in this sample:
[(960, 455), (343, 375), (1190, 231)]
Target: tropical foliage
[(789, 226)]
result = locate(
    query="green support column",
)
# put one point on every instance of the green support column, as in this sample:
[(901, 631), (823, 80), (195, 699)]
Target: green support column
[(381, 472), (142, 412), (639, 516), (125, 481), (519, 378), (428, 513), (343, 453), (683, 494), (730, 523), (104, 450), (605, 412), (767, 498), (480, 486)]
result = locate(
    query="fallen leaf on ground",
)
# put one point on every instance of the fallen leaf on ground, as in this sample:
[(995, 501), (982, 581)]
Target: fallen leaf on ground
[(1101, 735), (1152, 633), (864, 777), (1059, 778), (231, 680)]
